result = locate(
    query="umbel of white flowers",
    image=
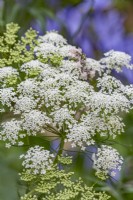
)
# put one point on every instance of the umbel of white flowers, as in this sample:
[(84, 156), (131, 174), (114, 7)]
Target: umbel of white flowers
[(37, 160), (54, 94), (106, 160)]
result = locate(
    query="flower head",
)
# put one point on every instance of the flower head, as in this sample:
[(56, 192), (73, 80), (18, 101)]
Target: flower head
[(35, 121), (11, 133), (54, 38), (8, 76), (107, 160), (37, 160), (116, 60)]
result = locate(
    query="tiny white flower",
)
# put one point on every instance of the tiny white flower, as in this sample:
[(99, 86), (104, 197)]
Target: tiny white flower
[(107, 160), (34, 122), (11, 132), (37, 160), (54, 38), (116, 60)]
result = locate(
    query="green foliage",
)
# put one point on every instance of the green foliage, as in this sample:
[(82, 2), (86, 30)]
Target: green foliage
[(14, 51)]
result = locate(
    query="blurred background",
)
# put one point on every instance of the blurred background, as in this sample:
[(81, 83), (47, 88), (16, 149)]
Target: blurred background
[(96, 26)]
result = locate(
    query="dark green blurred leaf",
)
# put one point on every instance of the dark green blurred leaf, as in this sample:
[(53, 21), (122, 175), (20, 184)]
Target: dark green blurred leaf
[(71, 2), (16, 9), (8, 186)]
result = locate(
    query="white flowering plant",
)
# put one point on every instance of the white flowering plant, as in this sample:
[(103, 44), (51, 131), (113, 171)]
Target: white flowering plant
[(52, 91)]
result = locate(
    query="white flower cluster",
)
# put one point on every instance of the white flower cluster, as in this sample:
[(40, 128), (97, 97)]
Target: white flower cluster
[(55, 90), (11, 133), (78, 95), (107, 160), (24, 104), (46, 50), (69, 51), (104, 125), (63, 118), (7, 96), (128, 92), (79, 135), (109, 84), (92, 66), (37, 160), (53, 44), (71, 67), (82, 134), (116, 60), (28, 87), (35, 122), (51, 97), (32, 66), (108, 104), (48, 73), (53, 38), (6, 73)]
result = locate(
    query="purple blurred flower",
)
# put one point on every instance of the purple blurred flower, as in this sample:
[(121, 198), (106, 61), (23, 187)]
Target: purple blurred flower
[(109, 29), (87, 29), (71, 18), (51, 24), (101, 5)]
